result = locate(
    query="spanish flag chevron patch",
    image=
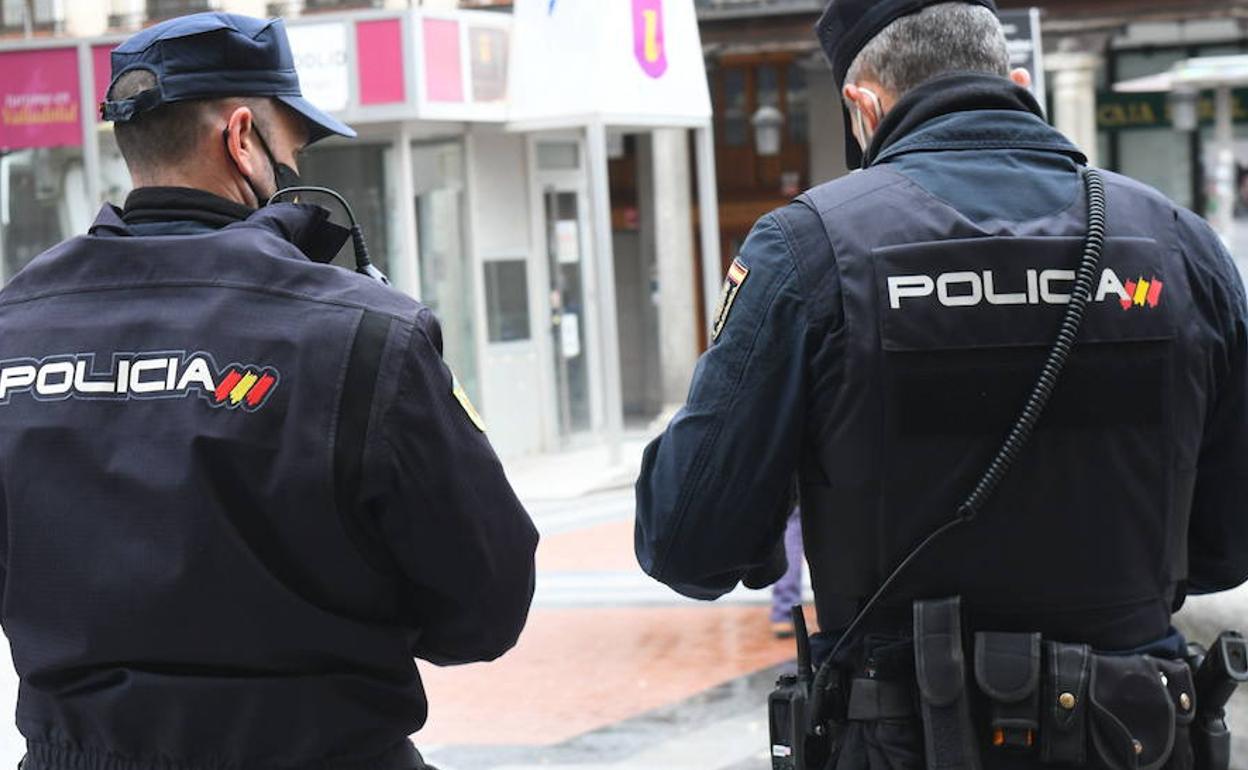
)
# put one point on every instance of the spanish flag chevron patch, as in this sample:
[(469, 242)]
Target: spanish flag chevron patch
[(732, 286)]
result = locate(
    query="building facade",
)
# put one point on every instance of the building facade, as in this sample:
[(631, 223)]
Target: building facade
[(763, 53)]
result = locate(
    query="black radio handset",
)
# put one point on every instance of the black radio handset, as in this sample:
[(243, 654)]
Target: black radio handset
[(363, 264)]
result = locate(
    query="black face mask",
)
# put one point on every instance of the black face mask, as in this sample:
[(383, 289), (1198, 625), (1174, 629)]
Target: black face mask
[(283, 176)]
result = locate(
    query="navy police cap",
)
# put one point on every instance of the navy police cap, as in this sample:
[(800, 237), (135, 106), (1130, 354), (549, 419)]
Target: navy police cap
[(210, 56), (846, 27)]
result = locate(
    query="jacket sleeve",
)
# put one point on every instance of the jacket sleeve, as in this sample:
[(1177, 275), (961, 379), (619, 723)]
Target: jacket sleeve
[(462, 542), (715, 488), (1218, 532)]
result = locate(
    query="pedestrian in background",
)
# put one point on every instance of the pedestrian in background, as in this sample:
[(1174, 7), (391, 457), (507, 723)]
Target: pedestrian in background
[(787, 591)]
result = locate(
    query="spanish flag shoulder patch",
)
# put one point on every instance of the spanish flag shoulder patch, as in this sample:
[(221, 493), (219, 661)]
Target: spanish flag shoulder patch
[(732, 286)]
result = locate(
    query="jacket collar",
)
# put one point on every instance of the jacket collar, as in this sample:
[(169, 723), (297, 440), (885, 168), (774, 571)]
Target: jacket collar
[(948, 113), (160, 205), (303, 225)]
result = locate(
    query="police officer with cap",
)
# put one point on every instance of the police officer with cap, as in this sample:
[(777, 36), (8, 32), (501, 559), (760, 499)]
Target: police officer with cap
[(240, 488), (877, 339)]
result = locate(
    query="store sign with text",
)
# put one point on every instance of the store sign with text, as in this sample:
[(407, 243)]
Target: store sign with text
[(320, 52), (465, 66), (40, 105), (1117, 112)]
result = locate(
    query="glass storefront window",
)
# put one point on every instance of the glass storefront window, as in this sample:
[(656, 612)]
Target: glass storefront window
[(799, 104), (42, 202), (167, 9), (20, 14), (445, 271), (115, 182), (507, 300), (568, 309), (1156, 156), (558, 156), (736, 122), (768, 87), (358, 173)]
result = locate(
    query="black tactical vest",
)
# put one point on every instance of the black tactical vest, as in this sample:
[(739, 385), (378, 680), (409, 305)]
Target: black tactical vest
[(946, 325)]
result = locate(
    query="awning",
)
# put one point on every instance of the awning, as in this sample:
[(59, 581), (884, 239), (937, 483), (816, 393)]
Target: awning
[(1192, 75)]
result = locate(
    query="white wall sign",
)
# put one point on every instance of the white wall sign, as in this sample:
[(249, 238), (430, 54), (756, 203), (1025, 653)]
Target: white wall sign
[(568, 241), (570, 336), (1022, 33), (320, 52)]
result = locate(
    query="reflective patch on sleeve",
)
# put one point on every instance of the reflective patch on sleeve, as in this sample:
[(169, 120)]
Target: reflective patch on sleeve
[(732, 287), (461, 396)]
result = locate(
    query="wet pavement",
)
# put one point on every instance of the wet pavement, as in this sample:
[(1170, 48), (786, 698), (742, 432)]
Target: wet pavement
[(614, 670)]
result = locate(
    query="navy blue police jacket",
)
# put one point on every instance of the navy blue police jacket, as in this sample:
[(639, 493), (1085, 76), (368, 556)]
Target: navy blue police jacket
[(878, 337), (239, 495)]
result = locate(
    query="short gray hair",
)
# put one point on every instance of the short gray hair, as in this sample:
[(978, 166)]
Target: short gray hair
[(947, 37)]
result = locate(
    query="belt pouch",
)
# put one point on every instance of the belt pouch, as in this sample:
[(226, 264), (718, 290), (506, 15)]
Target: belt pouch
[(1180, 683), (1064, 707), (1132, 716), (940, 668), (1007, 669)]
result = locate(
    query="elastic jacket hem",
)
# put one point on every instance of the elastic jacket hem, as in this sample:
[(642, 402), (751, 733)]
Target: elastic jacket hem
[(50, 756)]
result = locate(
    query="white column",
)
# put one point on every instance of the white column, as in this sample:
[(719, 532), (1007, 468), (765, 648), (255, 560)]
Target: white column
[(1225, 172), (1074, 98), (673, 247), (90, 132), (608, 319), (406, 273), (708, 209)]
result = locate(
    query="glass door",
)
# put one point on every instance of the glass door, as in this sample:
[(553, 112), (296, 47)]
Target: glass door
[(445, 270), (564, 212)]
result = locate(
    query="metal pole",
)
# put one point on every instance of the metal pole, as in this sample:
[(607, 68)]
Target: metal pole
[(600, 204), (1224, 221), (708, 207)]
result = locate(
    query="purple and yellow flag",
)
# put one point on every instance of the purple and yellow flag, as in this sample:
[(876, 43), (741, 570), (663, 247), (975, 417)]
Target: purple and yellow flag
[(648, 41)]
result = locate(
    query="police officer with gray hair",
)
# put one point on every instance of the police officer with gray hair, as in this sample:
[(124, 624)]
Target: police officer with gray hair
[(1010, 392), (240, 488)]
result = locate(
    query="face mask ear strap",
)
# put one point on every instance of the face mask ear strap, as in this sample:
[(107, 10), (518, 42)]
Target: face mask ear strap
[(860, 118), (225, 135)]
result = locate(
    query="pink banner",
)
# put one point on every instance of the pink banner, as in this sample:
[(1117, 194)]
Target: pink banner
[(380, 56), (444, 73), (103, 67), (39, 100)]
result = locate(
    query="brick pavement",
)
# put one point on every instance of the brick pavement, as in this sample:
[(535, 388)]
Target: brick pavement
[(579, 669)]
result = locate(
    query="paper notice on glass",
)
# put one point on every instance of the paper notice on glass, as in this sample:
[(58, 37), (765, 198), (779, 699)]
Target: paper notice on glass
[(568, 241), (570, 335)]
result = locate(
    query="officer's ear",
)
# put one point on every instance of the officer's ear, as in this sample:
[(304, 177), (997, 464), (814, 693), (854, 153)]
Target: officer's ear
[(241, 144), (1021, 77)]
